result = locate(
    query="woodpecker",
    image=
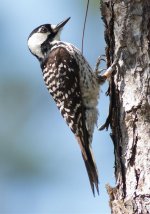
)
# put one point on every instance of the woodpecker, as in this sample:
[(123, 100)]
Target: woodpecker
[(73, 86)]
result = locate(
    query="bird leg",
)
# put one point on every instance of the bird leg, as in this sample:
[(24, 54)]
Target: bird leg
[(106, 75), (110, 90)]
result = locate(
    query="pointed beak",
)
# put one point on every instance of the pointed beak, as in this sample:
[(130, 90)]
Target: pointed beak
[(61, 24)]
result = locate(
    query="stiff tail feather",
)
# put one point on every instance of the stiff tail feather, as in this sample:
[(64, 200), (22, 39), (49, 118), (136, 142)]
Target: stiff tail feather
[(90, 166), (91, 170)]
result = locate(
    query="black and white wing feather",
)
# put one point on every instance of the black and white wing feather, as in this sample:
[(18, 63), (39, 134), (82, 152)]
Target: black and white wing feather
[(61, 75)]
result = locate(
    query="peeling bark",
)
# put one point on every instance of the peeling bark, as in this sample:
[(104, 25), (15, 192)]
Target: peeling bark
[(127, 26)]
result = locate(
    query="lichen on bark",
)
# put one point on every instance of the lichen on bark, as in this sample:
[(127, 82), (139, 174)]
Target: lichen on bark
[(127, 26)]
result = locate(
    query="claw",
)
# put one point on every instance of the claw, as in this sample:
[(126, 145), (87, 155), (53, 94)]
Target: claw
[(108, 71), (105, 125), (100, 58)]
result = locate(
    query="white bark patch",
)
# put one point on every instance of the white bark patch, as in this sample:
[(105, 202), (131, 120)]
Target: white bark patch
[(131, 92)]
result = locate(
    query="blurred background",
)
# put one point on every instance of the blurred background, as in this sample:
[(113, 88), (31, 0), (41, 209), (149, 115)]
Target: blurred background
[(41, 168)]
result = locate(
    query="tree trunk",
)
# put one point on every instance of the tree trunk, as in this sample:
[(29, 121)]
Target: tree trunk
[(127, 35)]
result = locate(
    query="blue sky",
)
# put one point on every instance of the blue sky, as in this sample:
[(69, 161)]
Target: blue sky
[(41, 168)]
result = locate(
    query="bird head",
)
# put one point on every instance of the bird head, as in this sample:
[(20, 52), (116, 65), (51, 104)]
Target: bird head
[(44, 34)]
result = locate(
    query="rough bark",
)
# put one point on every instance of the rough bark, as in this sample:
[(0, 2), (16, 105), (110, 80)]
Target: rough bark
[(127, 28)]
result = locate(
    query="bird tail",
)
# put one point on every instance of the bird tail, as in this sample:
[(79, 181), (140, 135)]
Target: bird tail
[(91, 169), (90, 166)]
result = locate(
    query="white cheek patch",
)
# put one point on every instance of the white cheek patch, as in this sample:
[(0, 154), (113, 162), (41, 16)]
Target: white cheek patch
[(35, 41)]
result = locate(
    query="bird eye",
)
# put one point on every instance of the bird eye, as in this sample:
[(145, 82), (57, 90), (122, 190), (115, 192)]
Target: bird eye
[(43, 30)]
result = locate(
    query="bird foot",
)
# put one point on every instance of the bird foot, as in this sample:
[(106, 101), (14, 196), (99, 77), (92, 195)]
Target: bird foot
[(106, 75), (100, 58)]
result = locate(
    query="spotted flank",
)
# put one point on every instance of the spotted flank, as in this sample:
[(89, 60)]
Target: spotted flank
[(62, 77), (73, 86)]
